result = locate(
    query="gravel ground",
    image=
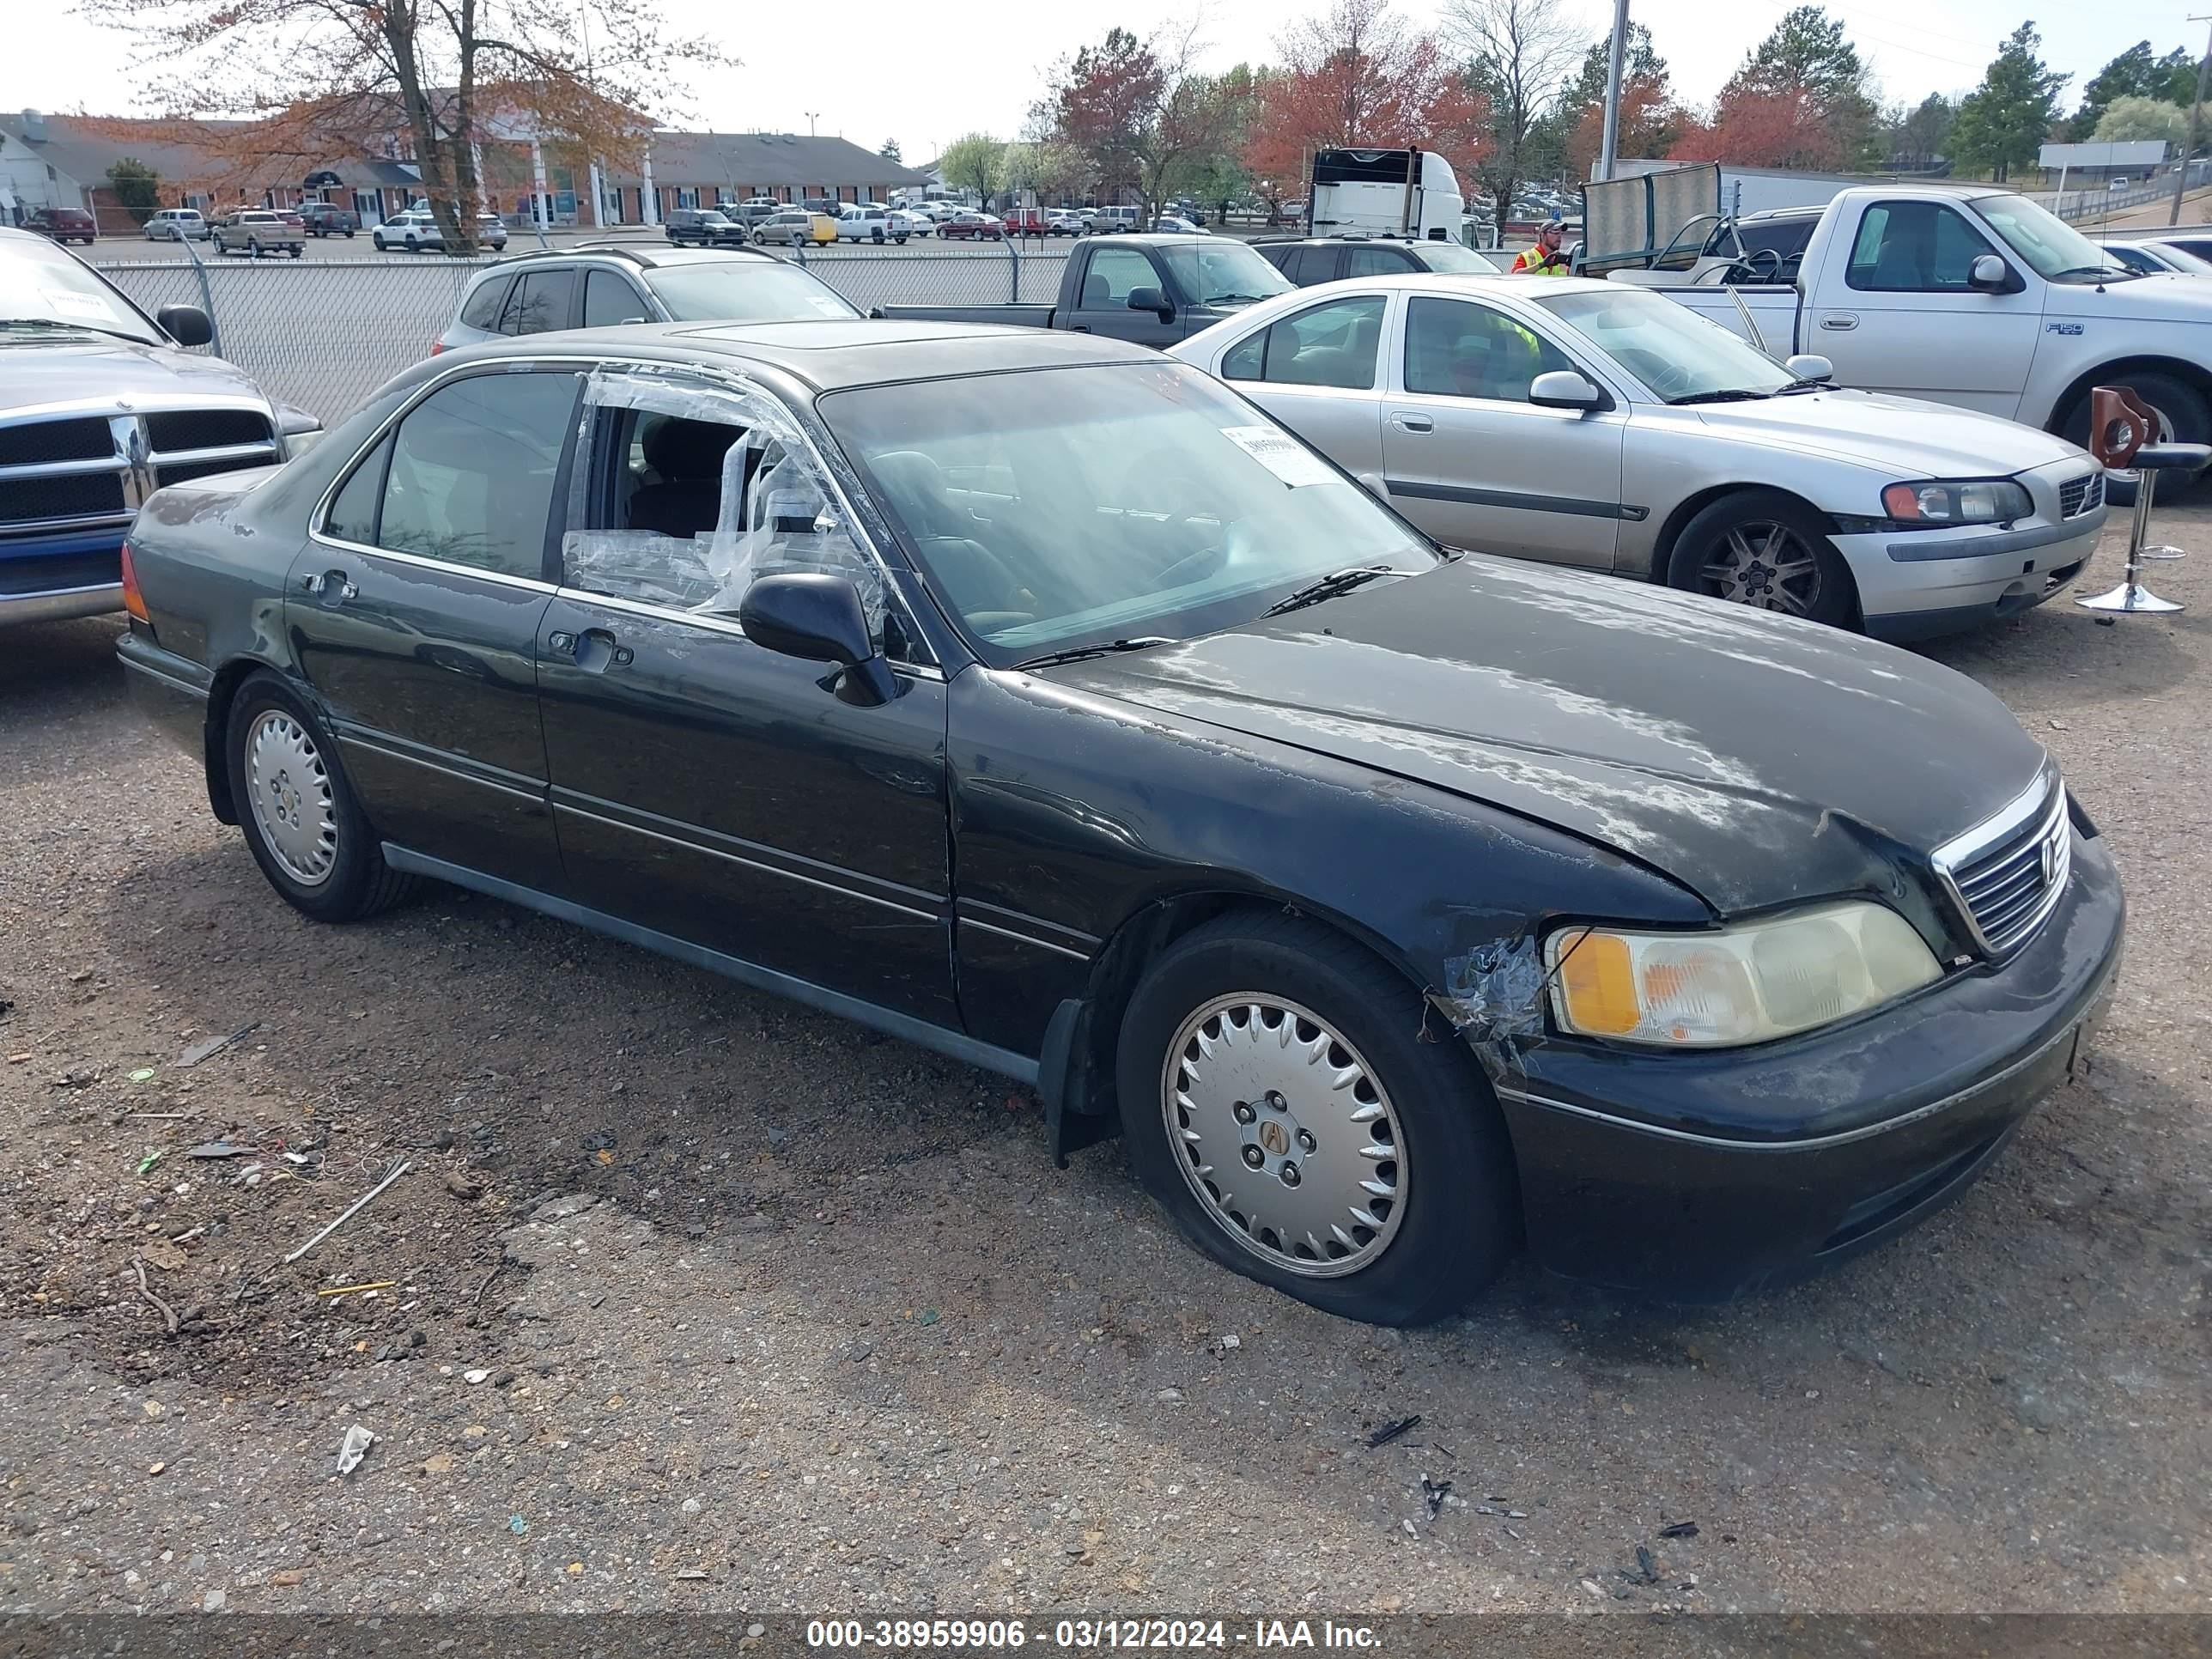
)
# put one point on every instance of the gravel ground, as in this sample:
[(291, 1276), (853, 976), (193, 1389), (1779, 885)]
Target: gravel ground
[(693, 1299)]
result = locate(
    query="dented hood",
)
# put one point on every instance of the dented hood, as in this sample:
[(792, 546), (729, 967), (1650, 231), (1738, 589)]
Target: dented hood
[(1757, 760)]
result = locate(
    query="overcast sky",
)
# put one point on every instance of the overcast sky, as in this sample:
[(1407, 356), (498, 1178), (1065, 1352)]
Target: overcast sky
[(872, 70)]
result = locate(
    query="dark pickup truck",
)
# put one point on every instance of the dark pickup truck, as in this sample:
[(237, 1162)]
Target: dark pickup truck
[(327, 218), (1155, 290)]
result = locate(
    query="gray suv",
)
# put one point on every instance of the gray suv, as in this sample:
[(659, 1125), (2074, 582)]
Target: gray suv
[(605, 286)]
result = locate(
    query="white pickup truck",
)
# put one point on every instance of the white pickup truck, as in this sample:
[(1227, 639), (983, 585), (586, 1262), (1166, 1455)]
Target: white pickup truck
[(1960, 294)]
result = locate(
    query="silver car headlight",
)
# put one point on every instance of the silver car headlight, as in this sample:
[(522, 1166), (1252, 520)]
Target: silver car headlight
[(1945, 505), (1748, 983)]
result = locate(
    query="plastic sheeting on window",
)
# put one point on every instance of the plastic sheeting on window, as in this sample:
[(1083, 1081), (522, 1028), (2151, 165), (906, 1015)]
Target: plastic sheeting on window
[(778, 511)]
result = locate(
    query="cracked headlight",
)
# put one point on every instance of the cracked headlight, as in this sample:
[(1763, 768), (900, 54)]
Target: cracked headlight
[(1748, 983)]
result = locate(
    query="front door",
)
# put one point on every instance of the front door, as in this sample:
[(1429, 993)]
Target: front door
[(1101, 305), (706, 789), (1908, 322), (1467, 457), (414, 613)]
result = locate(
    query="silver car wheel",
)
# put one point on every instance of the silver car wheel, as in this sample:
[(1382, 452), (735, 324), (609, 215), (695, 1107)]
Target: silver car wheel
[(1284, 1136), (1763, 564), (290, 788)]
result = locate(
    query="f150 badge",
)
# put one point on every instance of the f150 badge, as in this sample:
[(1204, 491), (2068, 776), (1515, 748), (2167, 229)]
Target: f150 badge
[(2062, 328)]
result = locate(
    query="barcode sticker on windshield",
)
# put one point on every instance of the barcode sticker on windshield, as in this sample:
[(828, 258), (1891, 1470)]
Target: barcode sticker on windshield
[(1281, 455)]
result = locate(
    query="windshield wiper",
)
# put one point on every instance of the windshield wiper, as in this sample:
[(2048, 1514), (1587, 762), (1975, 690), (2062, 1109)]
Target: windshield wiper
[(1078, 652), (1803, 384), (70, 328), (1734, 394), (1328, 587), (1223, 299)]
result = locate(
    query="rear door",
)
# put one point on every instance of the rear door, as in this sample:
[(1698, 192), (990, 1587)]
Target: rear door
[(414, 614), (1899, 316), (1318, 372), (1472, 461)]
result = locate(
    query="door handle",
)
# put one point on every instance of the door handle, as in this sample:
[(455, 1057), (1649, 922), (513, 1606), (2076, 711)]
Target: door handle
[(331, 586), (1839, 322), (1413, 424), (1079, 328), (596, 650)]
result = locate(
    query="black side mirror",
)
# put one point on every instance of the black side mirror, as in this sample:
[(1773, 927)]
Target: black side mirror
[(188, 325), (818, 616), (1151, 299)]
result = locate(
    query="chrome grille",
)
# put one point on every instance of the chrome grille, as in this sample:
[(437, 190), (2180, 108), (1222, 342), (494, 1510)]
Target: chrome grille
[(2007, 872), (2083, 494), (81, 471)]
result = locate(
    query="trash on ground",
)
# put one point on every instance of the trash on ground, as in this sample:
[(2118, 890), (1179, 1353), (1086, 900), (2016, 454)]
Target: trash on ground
[(219, 1149), (461, 1186), (1679, 1529), (348, 1213), (1434, 1492), (200, 1051), (1389, 1432), (354, 1448), (144, 1075), (518, 1525), (476, 1376), (691, 1572), (154, 1155), (348, 1290), (1649, 1567), (163, 1253)]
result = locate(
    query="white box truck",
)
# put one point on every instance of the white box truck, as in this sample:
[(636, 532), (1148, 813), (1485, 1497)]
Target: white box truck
[(1383, 192)]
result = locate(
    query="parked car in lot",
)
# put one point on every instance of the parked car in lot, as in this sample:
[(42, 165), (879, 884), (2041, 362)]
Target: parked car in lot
[(256, 231), (963, 683), (100, 406), (1153, 289), (416, 231), (607, 285), (1066, 222), (871, 222), (703, 228), (329, 219), (973, 227), (177, 225), (1174, 224), (1965, 295), (63, 224), (1314, 259), (796, 228), (754, 209), (2151, 257), (1024, 221), (916, 223), (1583, 422)]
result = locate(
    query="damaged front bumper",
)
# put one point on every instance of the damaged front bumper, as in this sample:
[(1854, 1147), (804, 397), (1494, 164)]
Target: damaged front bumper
[(1713, 1174)]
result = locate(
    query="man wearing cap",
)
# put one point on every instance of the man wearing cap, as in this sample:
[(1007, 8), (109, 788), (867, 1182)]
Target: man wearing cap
[(1546, 259)]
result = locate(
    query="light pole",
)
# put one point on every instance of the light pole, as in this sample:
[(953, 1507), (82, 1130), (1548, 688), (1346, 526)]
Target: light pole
[(812, 117), (2196, 113), (1610, 146)]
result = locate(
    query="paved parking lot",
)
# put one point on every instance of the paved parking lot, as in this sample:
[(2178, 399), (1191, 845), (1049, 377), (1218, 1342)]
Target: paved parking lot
[(694, 1299)]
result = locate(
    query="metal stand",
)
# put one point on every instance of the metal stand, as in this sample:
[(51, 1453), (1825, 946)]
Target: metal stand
[(2131, 596)]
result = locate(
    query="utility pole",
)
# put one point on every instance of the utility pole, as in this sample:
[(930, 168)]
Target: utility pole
[(2195, 115), (1609, 147)]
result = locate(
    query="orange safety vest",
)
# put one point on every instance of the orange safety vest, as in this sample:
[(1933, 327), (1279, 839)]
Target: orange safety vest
[(1535, 262)]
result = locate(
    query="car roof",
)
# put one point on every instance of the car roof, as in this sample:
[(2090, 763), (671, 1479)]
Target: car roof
[(833, 357)]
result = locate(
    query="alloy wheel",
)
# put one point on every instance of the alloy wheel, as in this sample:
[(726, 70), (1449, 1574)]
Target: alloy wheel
[(294, 806), (1765, 565), (1284, 1136)]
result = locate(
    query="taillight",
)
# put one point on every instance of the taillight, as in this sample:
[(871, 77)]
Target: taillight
[(133, 600), (436, 346)]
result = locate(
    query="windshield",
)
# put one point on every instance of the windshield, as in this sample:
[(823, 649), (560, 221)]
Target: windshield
[(1053, 508), (40, 284), (746, 291), (2054, 250), (1672, 349), (1453, 260), (1222, 272)]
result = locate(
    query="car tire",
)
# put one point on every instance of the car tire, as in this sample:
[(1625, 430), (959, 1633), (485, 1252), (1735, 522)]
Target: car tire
[(253, 247), (377, 242), (283, 767), (2185, 418), (349, 236), (299, 249), (1457, 1220), (1736, 533)]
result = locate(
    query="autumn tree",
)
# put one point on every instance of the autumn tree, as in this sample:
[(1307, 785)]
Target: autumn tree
[(1359, 75), (1801, 98), (2003, 122), (2135, 73), (1650, 119), (1520, 51), (327, 79), (1139, 112)]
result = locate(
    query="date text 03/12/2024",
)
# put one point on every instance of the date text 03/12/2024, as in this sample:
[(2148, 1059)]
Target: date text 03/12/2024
[(1085, 1635)]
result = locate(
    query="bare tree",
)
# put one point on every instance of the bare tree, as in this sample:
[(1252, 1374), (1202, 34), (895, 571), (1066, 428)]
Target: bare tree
[(326, 78), (1521, 53)]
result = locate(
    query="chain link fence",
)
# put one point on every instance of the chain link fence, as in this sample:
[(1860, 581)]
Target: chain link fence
[(324, 334)]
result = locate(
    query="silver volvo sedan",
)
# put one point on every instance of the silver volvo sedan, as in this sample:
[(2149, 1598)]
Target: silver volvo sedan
[(1589, 423)]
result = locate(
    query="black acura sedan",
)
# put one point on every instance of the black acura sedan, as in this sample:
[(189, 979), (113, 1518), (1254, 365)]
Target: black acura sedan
[(1037, 700)]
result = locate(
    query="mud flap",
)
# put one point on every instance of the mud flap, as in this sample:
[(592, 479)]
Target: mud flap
[(1067, 1083)]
